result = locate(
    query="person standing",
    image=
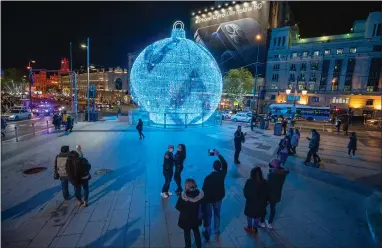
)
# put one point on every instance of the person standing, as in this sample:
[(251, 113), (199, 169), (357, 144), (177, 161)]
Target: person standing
[(284, 148), (238, 139), (140, 129), (168, 168), (294, 140), (352, 146), (179, 158), (214, 192), (118, 112), (275, 182), (3, 126), (284, 124), (345, 128), (60, 170), (255, 193), (189, 206), (57, 121), (314, 145), (338, 125), (74, 174), (69, 123)]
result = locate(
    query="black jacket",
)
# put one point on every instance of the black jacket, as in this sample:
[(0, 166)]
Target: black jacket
[(179, 159), (256, 197), (189, 206), (213, 186), (314, 142), (140, 125), (84, 168), (168, 163), (276, 179), (73, 168), (238, 139), (352, 143)]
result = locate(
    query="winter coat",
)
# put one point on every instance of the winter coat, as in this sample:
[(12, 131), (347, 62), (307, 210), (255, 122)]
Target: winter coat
[(189, 206), (275, 181), (60, 164), (69, 122), (256, 197), (179, 159), (168, 163), (84, 170), (352, 143), (314, 142), (284, 146), (73, 169), (3, 123), (140, 126), (238, 139), (213, 186), (294, 140)]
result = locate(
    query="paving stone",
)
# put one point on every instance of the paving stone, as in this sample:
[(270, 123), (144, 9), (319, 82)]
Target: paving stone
[(100, 212), (17, 244), (92, 234), (45, 236), (29, 231), (67, 241), (118, 220), (77, 224)]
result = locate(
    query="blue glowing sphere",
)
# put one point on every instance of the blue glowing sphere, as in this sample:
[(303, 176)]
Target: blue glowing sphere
[(176, 80)]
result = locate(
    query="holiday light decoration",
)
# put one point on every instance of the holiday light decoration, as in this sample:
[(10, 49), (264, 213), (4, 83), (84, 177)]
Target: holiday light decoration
[(176, 80)]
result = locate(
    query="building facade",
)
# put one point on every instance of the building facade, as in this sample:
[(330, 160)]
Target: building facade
[(340, 71), (111, 85)]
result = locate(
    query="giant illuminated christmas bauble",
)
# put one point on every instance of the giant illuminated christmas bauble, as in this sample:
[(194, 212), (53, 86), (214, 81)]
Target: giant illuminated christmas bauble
[(176, 80)]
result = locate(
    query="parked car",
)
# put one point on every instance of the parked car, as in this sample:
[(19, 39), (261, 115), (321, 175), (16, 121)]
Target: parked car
[(242, 116), (227, 114), (16, 114)]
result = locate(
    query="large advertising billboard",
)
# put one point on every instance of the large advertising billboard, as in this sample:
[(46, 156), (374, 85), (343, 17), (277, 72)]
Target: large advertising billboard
[(236, 35)]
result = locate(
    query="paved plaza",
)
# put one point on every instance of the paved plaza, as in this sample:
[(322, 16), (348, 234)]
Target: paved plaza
[(325, 207)]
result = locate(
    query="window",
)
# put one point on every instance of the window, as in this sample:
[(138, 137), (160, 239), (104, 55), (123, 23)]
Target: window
[(293, 67), (312, 77), (275, 77), (314, 65), (340, 100), (278, 43), (377, 48), (283, 41), (305, 54), (292, 77), (340, 51), (303, 67), (327, 52), (273, 97), (316, 53), (315, 99), (311, 85), (274, 41), (379, 30), (353, 50), (374, 28), (294, 55), (301, 78), (276, 67), (277, 56), (369, 102)]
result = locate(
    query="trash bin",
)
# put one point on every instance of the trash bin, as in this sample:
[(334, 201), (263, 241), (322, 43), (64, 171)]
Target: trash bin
[(277, 129)]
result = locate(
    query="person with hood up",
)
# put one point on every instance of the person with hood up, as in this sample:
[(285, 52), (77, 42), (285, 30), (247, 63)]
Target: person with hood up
[(352, 146), (314, 145), (294, 140), (190, 216), (168, 170), (57, 121), (214, 192), (60, 170), (140, 129), (238, 139), (275, 182), (179, 158), (255, 193)]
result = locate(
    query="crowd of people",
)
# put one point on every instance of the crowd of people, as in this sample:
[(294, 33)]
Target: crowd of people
[(63, 119)]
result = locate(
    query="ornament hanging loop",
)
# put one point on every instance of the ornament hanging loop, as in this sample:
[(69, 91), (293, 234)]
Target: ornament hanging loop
[(181, 24)]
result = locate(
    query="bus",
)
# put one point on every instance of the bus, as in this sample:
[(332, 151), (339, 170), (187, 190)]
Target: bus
[(303, 111)]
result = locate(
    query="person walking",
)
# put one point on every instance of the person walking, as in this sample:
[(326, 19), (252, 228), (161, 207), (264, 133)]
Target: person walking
[(69, 123), (284, 148), (284, 125), (140, 129), (214, 192), (60, 170), (179, 158), (275, 181), (190, 216), (3, 126), (168, 168), (294, 140), (314, 145), (338, 125), (118, 112), (352, 146), (238, 139), (345, 128), (255, 193)]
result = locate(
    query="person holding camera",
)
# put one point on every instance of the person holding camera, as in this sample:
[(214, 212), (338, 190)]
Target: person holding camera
[(238, 139), (214, 192), (168, 168)]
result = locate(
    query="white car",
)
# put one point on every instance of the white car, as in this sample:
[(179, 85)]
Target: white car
[(18, 114), (242, 116), (227, 114)]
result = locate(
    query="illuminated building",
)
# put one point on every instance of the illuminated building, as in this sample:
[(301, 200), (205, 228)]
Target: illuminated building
[(342, 71), (176, 80), (40, 81), (64, 64)]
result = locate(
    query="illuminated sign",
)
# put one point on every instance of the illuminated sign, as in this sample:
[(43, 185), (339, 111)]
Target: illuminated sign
[(229, 13)]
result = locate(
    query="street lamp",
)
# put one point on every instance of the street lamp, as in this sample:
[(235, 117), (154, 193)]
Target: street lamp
[(87, 52), (258, 38)]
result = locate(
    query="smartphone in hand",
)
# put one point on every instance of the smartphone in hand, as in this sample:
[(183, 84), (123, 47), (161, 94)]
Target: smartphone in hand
[(211, 152)]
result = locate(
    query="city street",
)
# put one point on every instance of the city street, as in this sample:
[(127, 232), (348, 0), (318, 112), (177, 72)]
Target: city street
[(326, 207)]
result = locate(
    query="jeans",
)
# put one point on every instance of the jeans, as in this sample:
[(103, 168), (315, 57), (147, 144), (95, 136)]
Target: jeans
[(141, 134), (85, 186), (316, 158), (272, 207), (65, 187), (252, 222), (208, 208), (351, 150), (177, 178), (187, 237), (237, 153), (283, 158), (167, 180)]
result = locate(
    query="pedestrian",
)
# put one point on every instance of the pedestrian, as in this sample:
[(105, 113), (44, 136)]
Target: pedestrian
[(314, 145), (190, 216), (255, 193), (238, 139), (294, 140), (284, 148), (118, 112), (140, 129), (3, 126), (168, 168), (214, 192), (57, 121), (352, 146), (64, 117), (60, 170), (275, 181), (338, 125), (284, 124), (345, 127), (69, 123), (179, 158)]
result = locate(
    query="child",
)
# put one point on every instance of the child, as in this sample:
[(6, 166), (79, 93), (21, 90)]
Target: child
[(352, 146), (189, 206)]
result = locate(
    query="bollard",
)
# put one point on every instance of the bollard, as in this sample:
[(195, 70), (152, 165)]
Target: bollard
[(34, 130), (17, 135), (47, 126)]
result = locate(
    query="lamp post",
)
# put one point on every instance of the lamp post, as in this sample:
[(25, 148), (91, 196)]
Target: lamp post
[(88, 64), (258, 38), (30, 81)]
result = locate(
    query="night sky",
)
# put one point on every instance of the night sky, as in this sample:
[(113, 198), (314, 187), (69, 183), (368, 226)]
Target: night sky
[(42, 31)]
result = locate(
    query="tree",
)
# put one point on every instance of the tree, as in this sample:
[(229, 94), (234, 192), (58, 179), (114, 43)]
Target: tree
[(238, 83), (13, 82)]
